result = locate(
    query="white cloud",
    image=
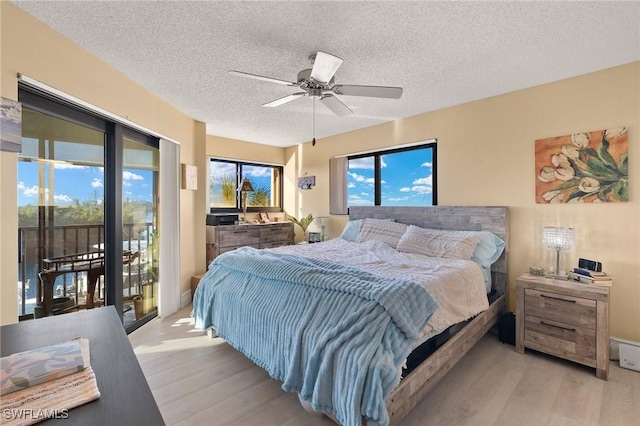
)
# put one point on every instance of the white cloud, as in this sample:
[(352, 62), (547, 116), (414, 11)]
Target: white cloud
[(424, 181), (127, 175), (97, 183), (362, 179), (405, 189), (422, 189), (218, 169), (62, 198), (68, 166), (257, 171), (126, 183), (35, 189), (351, 185), (398, 199), (30, 192), (426, 164), (355, 200), (365, 163), (364, 194)]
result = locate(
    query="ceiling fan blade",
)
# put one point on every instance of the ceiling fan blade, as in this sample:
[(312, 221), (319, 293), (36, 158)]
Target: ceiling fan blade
[(259, 77), (335, 105), (324, 67), (284, 100), (371, 91)]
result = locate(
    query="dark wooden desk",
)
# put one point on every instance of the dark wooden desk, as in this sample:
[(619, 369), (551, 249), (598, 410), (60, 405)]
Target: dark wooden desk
[(125, 395)]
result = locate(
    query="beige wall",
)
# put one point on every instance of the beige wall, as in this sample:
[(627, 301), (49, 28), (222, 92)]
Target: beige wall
[(486, 157), (31, 48)]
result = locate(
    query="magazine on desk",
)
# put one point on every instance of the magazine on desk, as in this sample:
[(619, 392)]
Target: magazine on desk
[(24, 369)]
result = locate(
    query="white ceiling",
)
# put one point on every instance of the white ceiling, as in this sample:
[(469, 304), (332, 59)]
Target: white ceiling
[(441, 53)]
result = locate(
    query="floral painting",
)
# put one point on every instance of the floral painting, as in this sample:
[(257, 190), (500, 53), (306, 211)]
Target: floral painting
[(587, 167)]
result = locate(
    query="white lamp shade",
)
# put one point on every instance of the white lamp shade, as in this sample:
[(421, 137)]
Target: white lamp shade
[(558, 239), (322, 220)]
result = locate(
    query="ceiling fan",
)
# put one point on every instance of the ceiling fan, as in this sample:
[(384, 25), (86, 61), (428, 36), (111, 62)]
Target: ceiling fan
[(318, 82)]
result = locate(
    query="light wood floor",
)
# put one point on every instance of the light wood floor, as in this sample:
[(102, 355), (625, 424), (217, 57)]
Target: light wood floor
[(197, 380)]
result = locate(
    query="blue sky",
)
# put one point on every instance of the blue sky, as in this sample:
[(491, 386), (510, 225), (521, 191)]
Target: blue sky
[(79, 182), (407, 179)]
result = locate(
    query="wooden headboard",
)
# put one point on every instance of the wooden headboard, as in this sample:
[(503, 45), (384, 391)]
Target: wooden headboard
[(463, 218)]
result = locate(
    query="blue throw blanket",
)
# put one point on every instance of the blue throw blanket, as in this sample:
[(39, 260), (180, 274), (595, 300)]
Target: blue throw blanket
[(334, 334)]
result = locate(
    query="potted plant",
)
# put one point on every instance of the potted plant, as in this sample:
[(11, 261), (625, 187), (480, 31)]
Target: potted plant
[(303, 223)]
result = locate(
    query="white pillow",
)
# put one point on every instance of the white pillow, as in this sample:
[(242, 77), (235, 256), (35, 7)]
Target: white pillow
[(381, 230), (436, 243)]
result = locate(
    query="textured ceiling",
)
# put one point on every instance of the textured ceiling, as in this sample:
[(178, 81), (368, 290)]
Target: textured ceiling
[(441, 53)]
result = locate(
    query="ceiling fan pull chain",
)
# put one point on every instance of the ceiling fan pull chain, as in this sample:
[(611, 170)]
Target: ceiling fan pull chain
[(313, 142)]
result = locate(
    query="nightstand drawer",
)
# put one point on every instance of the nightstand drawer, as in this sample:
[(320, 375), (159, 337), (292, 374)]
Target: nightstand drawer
[(560, 307), (566, 340)]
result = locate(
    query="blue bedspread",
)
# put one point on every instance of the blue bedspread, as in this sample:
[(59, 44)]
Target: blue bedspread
[(334, 334)]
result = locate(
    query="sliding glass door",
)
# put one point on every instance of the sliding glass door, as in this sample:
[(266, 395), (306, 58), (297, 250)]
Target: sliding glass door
[(87, 203), (140, 228), (60, 208)]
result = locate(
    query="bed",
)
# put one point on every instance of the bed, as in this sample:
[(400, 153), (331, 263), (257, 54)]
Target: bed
[(337, 329)]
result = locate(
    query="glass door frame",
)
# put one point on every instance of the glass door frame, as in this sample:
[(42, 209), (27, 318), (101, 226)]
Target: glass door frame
[(115, 133)]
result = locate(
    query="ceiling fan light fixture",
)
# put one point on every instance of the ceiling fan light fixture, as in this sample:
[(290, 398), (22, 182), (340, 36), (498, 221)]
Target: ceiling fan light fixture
[(324, 67)]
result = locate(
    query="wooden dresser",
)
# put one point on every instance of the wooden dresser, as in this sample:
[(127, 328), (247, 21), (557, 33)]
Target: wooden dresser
[(566, 319), (224, 238)]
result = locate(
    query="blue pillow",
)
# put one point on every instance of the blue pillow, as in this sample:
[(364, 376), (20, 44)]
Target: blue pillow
[(488, 249), (351, 230)]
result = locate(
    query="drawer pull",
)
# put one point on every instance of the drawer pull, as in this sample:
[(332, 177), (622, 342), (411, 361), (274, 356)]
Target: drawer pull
[(557, 326), (557, 298), (241, 232)]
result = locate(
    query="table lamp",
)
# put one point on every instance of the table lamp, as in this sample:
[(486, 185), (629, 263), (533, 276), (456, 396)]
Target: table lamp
[(322, 222), (558, 239), (246, 187)]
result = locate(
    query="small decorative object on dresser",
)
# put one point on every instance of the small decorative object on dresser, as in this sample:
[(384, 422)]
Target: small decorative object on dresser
[(566, 319), (314, 237)]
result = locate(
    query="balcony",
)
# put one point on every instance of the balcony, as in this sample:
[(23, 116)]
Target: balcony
[(37, 244)]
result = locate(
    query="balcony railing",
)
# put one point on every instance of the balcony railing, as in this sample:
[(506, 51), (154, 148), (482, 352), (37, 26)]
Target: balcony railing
[(36, 244)]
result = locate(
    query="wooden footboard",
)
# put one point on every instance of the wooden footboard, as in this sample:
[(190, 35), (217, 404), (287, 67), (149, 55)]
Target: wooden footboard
[(416, 385)]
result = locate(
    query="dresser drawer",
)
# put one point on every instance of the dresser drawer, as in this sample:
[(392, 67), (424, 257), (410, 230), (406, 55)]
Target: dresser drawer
[(558, 338), (237, 237), (230, 248), (274, 236), (560, 307)]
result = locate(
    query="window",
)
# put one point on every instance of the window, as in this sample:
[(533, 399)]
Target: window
[(225, 178), (399, 177)]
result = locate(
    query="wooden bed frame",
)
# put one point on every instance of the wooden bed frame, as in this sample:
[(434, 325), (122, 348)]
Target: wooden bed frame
[(424, 377)]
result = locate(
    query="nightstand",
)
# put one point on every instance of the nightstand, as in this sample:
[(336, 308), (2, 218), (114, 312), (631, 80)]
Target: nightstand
[(566, 319), (195, 280)]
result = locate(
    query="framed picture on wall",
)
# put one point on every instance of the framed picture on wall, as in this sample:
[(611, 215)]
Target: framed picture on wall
[(264, 217)]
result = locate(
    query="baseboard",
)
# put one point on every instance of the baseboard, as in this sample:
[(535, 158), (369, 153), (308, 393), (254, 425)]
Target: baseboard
[(185, 299), (614, 347)]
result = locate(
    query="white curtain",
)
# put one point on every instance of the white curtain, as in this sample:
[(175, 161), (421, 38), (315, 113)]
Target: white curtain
[(338, 168), (169, 224)]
